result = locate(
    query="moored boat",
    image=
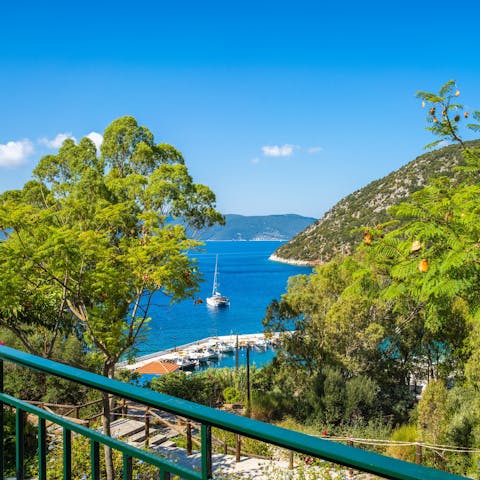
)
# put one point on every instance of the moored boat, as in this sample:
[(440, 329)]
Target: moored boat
[(217, 300)]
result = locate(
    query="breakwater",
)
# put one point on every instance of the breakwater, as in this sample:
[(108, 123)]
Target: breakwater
[(191, 355)]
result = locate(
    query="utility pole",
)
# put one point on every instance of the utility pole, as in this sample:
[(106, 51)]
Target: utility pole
[(236, 355), (249, 399)]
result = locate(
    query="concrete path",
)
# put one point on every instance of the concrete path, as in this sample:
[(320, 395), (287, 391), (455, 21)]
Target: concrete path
[(225, 466)]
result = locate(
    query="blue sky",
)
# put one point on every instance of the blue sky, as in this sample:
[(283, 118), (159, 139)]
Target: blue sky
[(280, 107)]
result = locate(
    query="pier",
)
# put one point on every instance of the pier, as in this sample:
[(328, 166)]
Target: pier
[(190, 355)]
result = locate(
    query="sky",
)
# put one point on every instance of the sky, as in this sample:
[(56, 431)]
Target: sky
[(279, 107)]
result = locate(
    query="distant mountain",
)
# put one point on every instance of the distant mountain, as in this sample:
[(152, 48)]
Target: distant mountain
[(332, 234), (269, 227)]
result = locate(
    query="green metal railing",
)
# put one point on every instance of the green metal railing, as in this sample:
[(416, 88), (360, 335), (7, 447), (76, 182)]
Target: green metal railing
[(207, 417)]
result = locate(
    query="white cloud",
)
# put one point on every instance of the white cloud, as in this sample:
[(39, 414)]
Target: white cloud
[(255, 160), (312, 150), (13, 154), (96, 138), (278, 151), (56, 142)]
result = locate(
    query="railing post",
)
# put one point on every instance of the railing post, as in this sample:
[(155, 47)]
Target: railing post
[(238, 447), (2, 423), (189, 438), (290, 460), (20, 444), (67, 454), (124, 408), (350, 471), (42, 449), (418, 453), (164, 475), (95, 459), (127, 467), (147, 427), (206, 433)]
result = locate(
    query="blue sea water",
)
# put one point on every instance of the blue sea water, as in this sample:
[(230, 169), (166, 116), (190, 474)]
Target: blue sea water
[(246, 276)]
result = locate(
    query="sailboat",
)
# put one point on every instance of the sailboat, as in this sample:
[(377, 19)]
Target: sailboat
[(217, 300)]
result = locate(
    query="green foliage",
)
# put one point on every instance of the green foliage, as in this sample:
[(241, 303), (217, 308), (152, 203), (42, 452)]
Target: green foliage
[(81, 462), (87, 242), (207, 387), (30, 385), (340, 230), (403, 433), (231, 395), (9, 436), (248, 445), (268, 406), (402, 306)]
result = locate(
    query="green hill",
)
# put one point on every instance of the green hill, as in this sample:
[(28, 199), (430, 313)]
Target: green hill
[(332, 234), (268, 227)]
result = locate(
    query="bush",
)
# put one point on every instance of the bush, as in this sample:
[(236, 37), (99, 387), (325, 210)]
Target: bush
[(81, 464), (404, 433), (232, 395)]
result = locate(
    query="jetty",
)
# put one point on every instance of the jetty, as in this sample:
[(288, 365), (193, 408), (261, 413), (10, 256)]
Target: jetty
[(191, 355)]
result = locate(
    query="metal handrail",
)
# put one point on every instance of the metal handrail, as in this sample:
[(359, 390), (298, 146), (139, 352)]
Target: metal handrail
[(347, 456)]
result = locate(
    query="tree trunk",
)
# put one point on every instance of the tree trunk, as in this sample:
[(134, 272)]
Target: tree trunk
[(108, 371)]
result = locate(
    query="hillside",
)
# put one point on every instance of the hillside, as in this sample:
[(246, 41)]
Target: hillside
[(332, 234), (269, 227)]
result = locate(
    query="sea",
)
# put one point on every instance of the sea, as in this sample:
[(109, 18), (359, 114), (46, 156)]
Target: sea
[(246, 276)]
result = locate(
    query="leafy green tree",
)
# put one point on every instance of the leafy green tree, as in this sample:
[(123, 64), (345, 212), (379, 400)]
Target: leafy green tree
[(335, 321), (404, 304), (92, 239), (432, 411)]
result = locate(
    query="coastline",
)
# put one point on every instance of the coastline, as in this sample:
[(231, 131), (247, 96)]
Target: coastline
[(298, 263)]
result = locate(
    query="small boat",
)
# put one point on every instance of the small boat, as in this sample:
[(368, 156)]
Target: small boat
[(217, 300), (186, 363), (224, 348)]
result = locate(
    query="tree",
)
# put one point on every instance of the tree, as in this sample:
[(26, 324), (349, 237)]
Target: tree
[(404, 303), (93, 238)]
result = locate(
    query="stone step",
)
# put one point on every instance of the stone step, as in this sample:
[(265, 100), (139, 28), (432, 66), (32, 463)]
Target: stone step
[(125, 427), (167, 443), (136, 437), (157, 439)]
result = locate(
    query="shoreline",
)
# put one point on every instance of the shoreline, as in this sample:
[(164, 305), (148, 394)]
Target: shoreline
[(298, 263)]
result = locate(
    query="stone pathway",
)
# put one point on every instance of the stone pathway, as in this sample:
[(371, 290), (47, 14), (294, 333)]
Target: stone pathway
[(225, 466)]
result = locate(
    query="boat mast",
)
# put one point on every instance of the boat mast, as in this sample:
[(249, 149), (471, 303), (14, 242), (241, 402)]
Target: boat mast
[(214, 289)]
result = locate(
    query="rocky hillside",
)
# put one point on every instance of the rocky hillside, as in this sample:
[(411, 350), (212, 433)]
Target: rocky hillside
[(332, 234), (268, 227)]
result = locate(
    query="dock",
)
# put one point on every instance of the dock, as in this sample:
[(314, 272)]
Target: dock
[(208, 347)]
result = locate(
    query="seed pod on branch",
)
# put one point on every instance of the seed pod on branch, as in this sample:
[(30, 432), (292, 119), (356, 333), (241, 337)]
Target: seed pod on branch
[(416, 246), (423, 265), (367, 238)]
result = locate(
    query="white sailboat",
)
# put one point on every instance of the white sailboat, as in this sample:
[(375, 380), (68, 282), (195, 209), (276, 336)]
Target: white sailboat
[(217, 299)]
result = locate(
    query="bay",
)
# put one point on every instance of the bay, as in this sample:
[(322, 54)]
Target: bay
[(246, 276)]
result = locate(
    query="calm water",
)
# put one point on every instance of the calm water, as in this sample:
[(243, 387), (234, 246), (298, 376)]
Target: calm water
[(246, 276)]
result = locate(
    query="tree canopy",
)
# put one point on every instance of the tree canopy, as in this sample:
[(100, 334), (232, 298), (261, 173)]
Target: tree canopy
[(403, 308), (92, 237)]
